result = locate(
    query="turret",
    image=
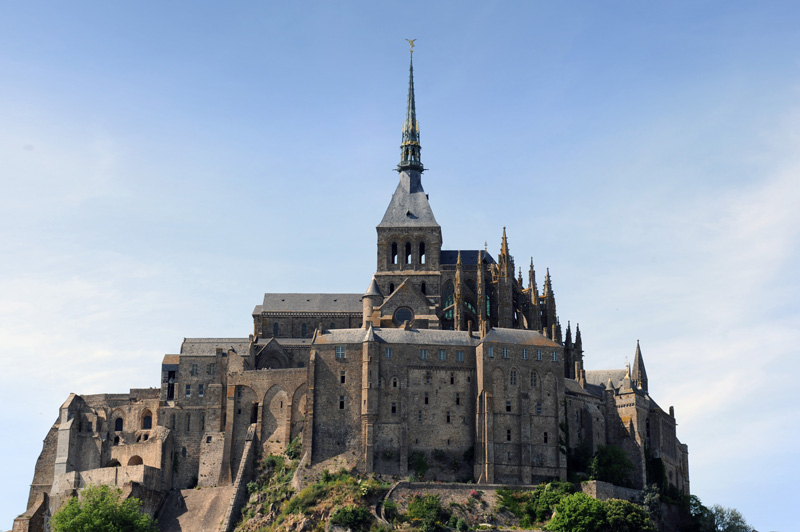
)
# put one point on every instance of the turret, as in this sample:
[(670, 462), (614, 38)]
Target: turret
[(458, 296), (373, 298)]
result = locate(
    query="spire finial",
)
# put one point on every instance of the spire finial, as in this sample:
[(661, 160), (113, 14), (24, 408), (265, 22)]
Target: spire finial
[(504, 244), (410, 148)]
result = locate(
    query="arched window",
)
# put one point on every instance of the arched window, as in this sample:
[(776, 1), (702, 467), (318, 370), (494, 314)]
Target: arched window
[(118, 424), (394, 253), (333, 326), (391, 288), (394, 382), (135, 460), (275, 329), (147, 420), (408, 253), (513, 378), (422, 253), (304, 330), (534, 380), (423, 288)]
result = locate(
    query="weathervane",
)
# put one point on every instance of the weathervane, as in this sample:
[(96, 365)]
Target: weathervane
[(411, 42)]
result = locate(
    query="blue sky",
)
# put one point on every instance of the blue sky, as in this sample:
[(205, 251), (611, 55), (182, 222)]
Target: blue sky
[(165, 164)]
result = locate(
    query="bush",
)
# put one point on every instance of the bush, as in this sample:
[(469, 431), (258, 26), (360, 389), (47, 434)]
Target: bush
[(294, 448), (581, 513), (427, 509), (100, 509), (390, 510), (461, 525), (536, 505), (356, 518), (611, 464)]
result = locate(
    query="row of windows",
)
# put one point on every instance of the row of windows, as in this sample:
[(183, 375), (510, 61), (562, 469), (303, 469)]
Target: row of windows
[(210, 369), (507, 353), (201, 390), (303, 329), (538, 408), (394, 255)]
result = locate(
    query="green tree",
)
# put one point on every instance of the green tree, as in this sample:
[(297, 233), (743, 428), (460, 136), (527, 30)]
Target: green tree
[(611, 464), (578, 513), (101, 509), (729, 520), (624, 516)]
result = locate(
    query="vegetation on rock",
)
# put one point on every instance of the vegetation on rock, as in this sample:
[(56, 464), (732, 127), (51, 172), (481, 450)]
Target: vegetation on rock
[(102, 509)]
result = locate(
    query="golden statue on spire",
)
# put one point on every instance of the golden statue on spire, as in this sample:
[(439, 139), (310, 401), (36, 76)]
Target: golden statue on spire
[(411, 42)]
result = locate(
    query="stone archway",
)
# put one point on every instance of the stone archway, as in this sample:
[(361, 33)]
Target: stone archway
[(275, 415), (298, 411)]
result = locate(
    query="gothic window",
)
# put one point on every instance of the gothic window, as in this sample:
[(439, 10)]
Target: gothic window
[(391, 288), (469, 306), (332, 326), (339, 351), (459, 356), (442, 354), (423, 288), (274, 329), (422, 255), (118, 424), (116, 440), (304, 330), (394, 253), (447, 298), (488, 307), (534, 379), (408, 253), (513, 377)]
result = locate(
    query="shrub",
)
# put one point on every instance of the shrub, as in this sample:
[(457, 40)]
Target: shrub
[(461, 525), (390, 510), (581, 513), (624, 516), (611, 464), (356, 518), (427, 509), (294, 448), (536, 505), (99, 509)]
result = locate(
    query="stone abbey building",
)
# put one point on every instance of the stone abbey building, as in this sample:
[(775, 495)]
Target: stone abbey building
[(448, 357)]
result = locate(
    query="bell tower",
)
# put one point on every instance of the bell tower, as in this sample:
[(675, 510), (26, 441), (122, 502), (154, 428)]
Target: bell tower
[(409, 238)]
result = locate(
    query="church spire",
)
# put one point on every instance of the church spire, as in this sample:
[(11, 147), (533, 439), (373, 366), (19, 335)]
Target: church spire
[(410, 148), (639, 373)]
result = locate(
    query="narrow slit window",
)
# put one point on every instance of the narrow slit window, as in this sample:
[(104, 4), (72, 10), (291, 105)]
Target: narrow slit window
[(422, 255)]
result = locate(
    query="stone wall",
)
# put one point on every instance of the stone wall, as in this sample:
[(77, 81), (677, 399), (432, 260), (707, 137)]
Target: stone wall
[(604, 491)]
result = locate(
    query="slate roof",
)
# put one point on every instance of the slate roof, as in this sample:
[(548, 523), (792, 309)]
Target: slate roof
[(409, 206), (469, 257), (399, 336), (311, 303), (574, 387), (600, 377), (518, 336), (208, 346)]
